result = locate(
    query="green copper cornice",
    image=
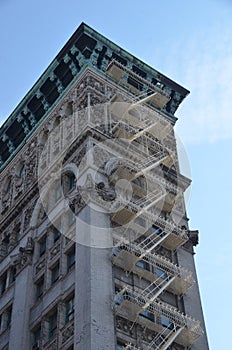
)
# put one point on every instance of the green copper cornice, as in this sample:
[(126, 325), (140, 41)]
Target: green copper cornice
[(85, 48)]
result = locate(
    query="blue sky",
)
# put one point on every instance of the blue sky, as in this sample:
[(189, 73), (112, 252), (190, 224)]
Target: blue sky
[(190, 41)]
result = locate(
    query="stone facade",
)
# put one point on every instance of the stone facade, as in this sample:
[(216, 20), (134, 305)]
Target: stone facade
[(95, 250)]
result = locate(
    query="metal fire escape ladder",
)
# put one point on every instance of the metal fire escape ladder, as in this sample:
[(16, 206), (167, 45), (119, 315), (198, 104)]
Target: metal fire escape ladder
[(167, 335), (164, 339), (150, 242), (149, 163), (152, 291), (150, 200)]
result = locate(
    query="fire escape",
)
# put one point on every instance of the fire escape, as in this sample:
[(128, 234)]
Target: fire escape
[(150, 138)]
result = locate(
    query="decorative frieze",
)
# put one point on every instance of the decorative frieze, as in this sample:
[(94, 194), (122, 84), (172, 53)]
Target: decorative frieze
[(67, 332)]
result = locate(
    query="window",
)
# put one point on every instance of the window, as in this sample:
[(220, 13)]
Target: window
[(6, 244), (39, 287), (143, 264), (3, 283), (8, 316), (71, 181), (52, 325), (58, 191), (36, 334), (45, 207), (56, 234), (42, 246), (147, 314), (119, 298), (69, 305), (13, 272), (71, 258), (166, 323), (160, 273), (156, 230), (116, 251), (68, 182), (55, 273)]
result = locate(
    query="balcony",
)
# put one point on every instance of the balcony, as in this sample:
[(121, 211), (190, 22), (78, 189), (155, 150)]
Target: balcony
[(156, 316), (156, 228), (126, 210), (162, 340), (135, 82), (134, 258)]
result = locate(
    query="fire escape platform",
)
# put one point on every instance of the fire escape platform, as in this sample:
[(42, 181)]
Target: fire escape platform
[(131, 306), (127, 260)]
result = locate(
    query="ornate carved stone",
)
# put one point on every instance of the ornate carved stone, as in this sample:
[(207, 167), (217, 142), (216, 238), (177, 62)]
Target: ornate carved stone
[(67, 332), (54, 251), (24, 256), (40, 265), (76, 203), (106, 193), (125, 326)]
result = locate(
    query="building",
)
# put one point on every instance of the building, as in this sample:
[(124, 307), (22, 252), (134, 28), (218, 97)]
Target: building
[(95, 248)]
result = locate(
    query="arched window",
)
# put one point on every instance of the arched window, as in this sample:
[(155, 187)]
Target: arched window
[(68, 182)]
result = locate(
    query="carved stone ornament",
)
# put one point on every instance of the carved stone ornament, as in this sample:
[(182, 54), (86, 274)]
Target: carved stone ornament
[(68, 332), (90, 191), (24, 256), (194, 236), (106, 193)]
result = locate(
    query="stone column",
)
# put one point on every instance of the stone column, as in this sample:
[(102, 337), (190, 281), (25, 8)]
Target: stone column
[(94, 317), (20, 332)]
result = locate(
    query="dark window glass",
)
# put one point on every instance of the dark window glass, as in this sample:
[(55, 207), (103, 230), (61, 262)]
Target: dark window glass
[(55, 273), (36, 337), (40, 287), (143, 264), (52, 325), (3, 283), (160, 273), (8, 316), (69, 310), (71, 259), (42, 246), (147, 314)]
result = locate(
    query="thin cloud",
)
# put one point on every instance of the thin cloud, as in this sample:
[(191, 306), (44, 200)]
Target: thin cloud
[(207, 71)]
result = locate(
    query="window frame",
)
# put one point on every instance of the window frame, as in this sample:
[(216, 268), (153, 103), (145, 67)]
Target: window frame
[(40, 283), (69, 311), (42, 245), (52, 324), (71, 258), (55, 272)]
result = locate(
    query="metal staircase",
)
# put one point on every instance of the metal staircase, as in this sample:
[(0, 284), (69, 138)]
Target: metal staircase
[(143, 140), (167, 321), (162, 341)]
